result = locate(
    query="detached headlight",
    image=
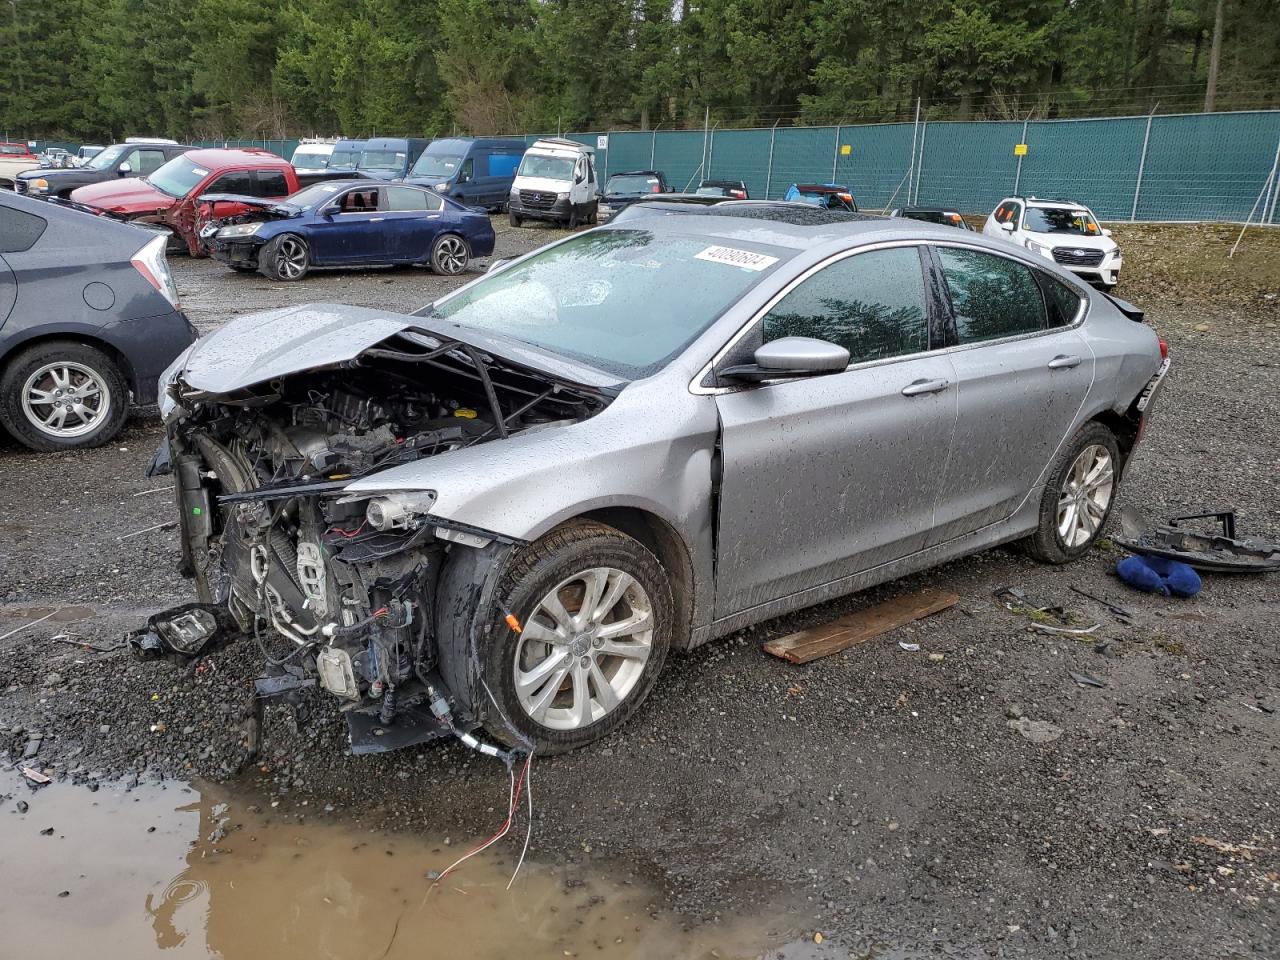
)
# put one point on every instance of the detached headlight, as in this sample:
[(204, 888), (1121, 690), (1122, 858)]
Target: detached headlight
[(239, 230), (399, 511)]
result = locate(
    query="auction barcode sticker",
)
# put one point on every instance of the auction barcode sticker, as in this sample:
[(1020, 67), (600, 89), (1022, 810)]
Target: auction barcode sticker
[(746, 259)]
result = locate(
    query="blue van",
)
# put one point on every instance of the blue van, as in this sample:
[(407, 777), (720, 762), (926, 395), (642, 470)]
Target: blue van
[(390, 158), (346, 155), (477, 171)]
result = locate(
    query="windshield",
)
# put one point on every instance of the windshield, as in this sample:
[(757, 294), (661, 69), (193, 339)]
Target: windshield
[(1061, 220), (435, 165), (627, 183), (382, 159), (713, 191), (106, 158), (624, 301), (177, 177), (317, 158), (344, 156), (549, 168), (313, 196)]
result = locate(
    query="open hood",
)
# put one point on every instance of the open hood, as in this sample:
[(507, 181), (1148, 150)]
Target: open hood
[(257, 348)]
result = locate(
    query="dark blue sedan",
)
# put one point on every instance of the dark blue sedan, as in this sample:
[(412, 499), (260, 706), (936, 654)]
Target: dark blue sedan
[(346, 223)]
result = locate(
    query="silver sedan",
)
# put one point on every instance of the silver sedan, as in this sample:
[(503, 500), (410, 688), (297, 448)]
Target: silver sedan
[(503, 512)]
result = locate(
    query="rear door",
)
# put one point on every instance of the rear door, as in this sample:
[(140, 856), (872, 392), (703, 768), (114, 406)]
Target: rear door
[(829, 476), (413, 218), (1023, 371)]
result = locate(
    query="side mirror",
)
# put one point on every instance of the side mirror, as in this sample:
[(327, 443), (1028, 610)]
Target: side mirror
[(330, 210), (1007, 226), (1106, 232), (125, 169), (789, 358)]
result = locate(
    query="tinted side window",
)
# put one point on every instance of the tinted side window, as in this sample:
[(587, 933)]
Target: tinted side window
[(149, 161), (468, 171), (407, 198), (872, 304), (992, 296), (241, 181), (19, 230), (272, 183), (1063, 302)]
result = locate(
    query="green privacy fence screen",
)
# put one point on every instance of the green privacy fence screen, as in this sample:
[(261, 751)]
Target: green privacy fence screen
[(1181, 167), (1184, 167)]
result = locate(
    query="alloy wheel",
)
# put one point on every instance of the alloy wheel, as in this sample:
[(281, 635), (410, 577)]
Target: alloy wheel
[(291, 258), (1085, 496), (65, 399), (451, 255), (584, 648)]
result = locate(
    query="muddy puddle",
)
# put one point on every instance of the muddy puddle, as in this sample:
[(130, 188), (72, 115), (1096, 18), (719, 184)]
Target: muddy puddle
[(180, 871)]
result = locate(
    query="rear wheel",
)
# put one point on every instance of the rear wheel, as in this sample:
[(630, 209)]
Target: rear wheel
[(1078, 496), (449, 255), (63, 395), (595, 619), (285, 257)]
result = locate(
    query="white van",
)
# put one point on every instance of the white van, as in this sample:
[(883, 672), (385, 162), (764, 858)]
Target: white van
[(312, 154), (556, 181)]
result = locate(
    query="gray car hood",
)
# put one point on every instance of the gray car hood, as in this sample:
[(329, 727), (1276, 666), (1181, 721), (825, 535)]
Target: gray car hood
[(259, 347)]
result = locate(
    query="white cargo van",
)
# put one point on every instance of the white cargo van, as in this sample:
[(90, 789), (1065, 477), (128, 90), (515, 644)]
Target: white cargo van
[(556, 181)]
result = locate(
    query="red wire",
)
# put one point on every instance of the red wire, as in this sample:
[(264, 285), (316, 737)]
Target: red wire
[(515, 803), (349, 533)]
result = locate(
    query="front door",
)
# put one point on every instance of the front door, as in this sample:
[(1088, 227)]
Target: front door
[(354, 233), (1023, 371), (829, 476)]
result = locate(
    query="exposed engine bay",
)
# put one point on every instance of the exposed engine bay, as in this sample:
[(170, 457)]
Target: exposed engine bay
[(339, 590)]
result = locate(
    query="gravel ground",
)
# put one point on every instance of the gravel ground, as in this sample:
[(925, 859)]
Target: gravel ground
[(887, 795)]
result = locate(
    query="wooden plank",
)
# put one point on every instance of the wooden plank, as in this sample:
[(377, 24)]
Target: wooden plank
[(828, 638)]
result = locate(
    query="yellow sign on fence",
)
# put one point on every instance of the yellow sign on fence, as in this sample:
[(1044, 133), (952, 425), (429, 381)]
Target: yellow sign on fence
[(1019, 149), (845, 149)]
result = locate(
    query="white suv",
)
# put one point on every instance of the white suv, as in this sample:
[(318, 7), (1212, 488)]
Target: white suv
[(1062, 231)]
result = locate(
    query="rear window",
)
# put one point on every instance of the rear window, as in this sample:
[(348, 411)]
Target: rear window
[(401, 199), (631, 184), (19, 230), (272, 183)]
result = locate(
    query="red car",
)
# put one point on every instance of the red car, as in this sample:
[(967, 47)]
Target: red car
[(170, 196)]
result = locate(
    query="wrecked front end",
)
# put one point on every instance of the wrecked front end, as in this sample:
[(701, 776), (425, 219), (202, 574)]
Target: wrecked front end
[(342, 591), (232, 238)]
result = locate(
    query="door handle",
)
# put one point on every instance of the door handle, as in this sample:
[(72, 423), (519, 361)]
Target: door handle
[(919, 387), (1063, 362), (376, 219)]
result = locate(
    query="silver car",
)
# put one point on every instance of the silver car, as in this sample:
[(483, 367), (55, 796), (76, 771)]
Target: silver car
[(504, 511)]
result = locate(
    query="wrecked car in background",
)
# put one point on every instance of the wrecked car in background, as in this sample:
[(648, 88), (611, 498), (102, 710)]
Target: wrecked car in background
[(505, 510)]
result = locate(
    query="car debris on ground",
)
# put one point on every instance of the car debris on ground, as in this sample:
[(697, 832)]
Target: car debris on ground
[(826, 639)]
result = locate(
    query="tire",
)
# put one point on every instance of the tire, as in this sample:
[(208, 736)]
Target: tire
[(285, 258), (242, 268), (572, 222), (450, 255), (1078, 460), (568, 707), (512, 218), (62, 365)]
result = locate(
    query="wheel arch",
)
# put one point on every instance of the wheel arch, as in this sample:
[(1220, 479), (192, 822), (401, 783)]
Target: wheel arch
[(1124, 426), (47, 335)]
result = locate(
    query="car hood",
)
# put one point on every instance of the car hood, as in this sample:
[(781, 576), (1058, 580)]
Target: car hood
[(59, 174), (132, 194), (256, 348)]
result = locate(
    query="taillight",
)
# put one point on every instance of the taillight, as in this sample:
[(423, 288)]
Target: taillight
[(151, 262), (1164, 349), (738, 194), (657, 188)]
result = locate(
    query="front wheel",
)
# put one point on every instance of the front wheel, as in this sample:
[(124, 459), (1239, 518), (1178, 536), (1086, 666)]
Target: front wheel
[(285, 257), (63, 395), (1078, 496), (595, 619), (512, 218), (449, 255)]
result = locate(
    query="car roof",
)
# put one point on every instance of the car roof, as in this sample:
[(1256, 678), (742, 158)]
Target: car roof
[(1049, 202), (798, 226), (938, 208), (217, 159), (636, 173), (68, 219), (821, 187)]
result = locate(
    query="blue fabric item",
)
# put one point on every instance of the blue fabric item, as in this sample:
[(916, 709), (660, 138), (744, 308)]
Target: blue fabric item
[(1159, 575)]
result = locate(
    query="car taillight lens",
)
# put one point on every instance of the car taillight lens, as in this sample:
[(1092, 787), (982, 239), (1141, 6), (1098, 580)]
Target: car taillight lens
[(657, 188), (737, 194), (151, 262), (1164, 349)]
